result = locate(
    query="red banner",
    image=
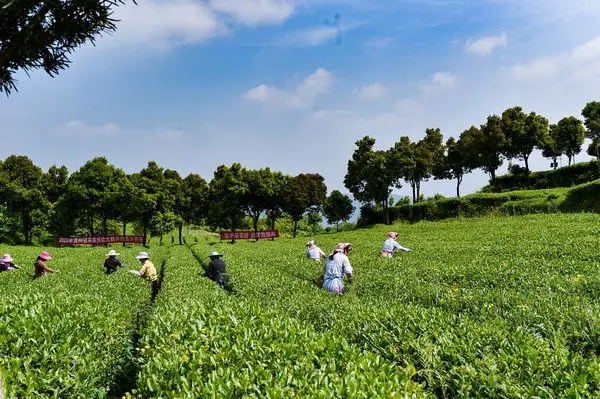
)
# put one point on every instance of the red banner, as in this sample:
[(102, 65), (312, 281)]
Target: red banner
[(248, 235), (99, 240)]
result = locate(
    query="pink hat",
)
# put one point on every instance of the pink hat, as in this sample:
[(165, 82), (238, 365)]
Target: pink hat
[(392, 234), (6, 258), (343, 246), (45, 255)]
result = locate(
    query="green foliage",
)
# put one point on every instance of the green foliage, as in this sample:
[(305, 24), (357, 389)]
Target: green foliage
[(337, 207), (37, 34), (68, 334), (563, 177), (306, 194), (523, 133)]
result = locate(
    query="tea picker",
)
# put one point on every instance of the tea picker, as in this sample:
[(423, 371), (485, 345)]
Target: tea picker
[(390, 245)]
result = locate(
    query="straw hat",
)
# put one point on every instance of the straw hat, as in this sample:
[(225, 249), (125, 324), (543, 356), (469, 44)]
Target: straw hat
[(142, 255), (214, 253), (112, 252)]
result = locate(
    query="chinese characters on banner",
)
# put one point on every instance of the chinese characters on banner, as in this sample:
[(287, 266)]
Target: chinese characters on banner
[(99, 240), (248, 235)]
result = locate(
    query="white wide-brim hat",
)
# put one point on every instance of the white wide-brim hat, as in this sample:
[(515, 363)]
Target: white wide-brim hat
[(112, 252), (214, 253), (142, 255)]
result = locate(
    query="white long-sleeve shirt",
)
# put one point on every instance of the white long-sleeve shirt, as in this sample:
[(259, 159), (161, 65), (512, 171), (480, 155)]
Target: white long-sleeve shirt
[(390, 245), (334, 271), (315, 253)]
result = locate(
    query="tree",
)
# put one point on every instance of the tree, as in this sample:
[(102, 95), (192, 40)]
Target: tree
[(21, 189), (307, 192), (92, 192), (278, 196), (126, 199), (490, 146), (337, 208), (455, 165), (314, 220), (55, 182), (42, 34), (256, 198), (569, 136), (226, 188), (591, 114), (551, 148), (162, 223), (523, 133), (416, 162), (195, 194), (173, 186), (371, 173)]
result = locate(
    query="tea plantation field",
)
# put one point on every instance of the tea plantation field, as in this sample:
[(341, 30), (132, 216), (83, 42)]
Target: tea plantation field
[(487, 307)]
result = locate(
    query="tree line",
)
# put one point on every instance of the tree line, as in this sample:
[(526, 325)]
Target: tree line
[(514, 134), (156, 200)]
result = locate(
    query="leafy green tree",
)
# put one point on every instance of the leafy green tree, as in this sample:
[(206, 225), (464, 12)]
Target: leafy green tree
[(152, 198), (92, 192), (490, 146), (42, 34), (307, 192), (371, 173), (126, 201), (591, 115), (277, 197), (55, 182), (21, 190), (337, 208), (195, 194), (226, 189), (455, 164), (258, 193), (523, 132), (570, 134), (551, 148), (314, 220), (161, 224)]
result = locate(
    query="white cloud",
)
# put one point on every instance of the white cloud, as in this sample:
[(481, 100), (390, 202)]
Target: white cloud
[(331, 114), (581, 60), (407, 106), (303, 96), (375, 91), (440, 80), (255, 12), (80, 129), (486, 44), (164, 24), (311, 37)]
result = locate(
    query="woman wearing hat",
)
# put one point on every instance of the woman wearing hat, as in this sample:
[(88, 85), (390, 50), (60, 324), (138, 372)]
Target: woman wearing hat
[(112, 262), (313, 252), (147, 271), (337, 265), (7, 263), (217, 269), (390, 245), (41, 269)]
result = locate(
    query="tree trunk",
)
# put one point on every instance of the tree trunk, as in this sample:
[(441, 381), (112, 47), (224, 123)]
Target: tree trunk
[(386, 214), (273, 227), (526, 158), (255, 224), (160, 240), (295, 227), (419, 190), (458, 181), (492, 175), (180, 233), (570, 157), (105, 225), (412, 184), (124, 231), (337, 226)]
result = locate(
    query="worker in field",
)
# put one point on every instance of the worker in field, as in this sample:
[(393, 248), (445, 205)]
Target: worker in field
[(217, 269), (390, 245), (147, 271), (112, 262), (336, 267), (313, 252), (41, 268), (7, 263)]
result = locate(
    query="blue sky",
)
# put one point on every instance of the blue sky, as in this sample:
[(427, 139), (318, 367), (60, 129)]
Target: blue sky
[(194, 84)]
